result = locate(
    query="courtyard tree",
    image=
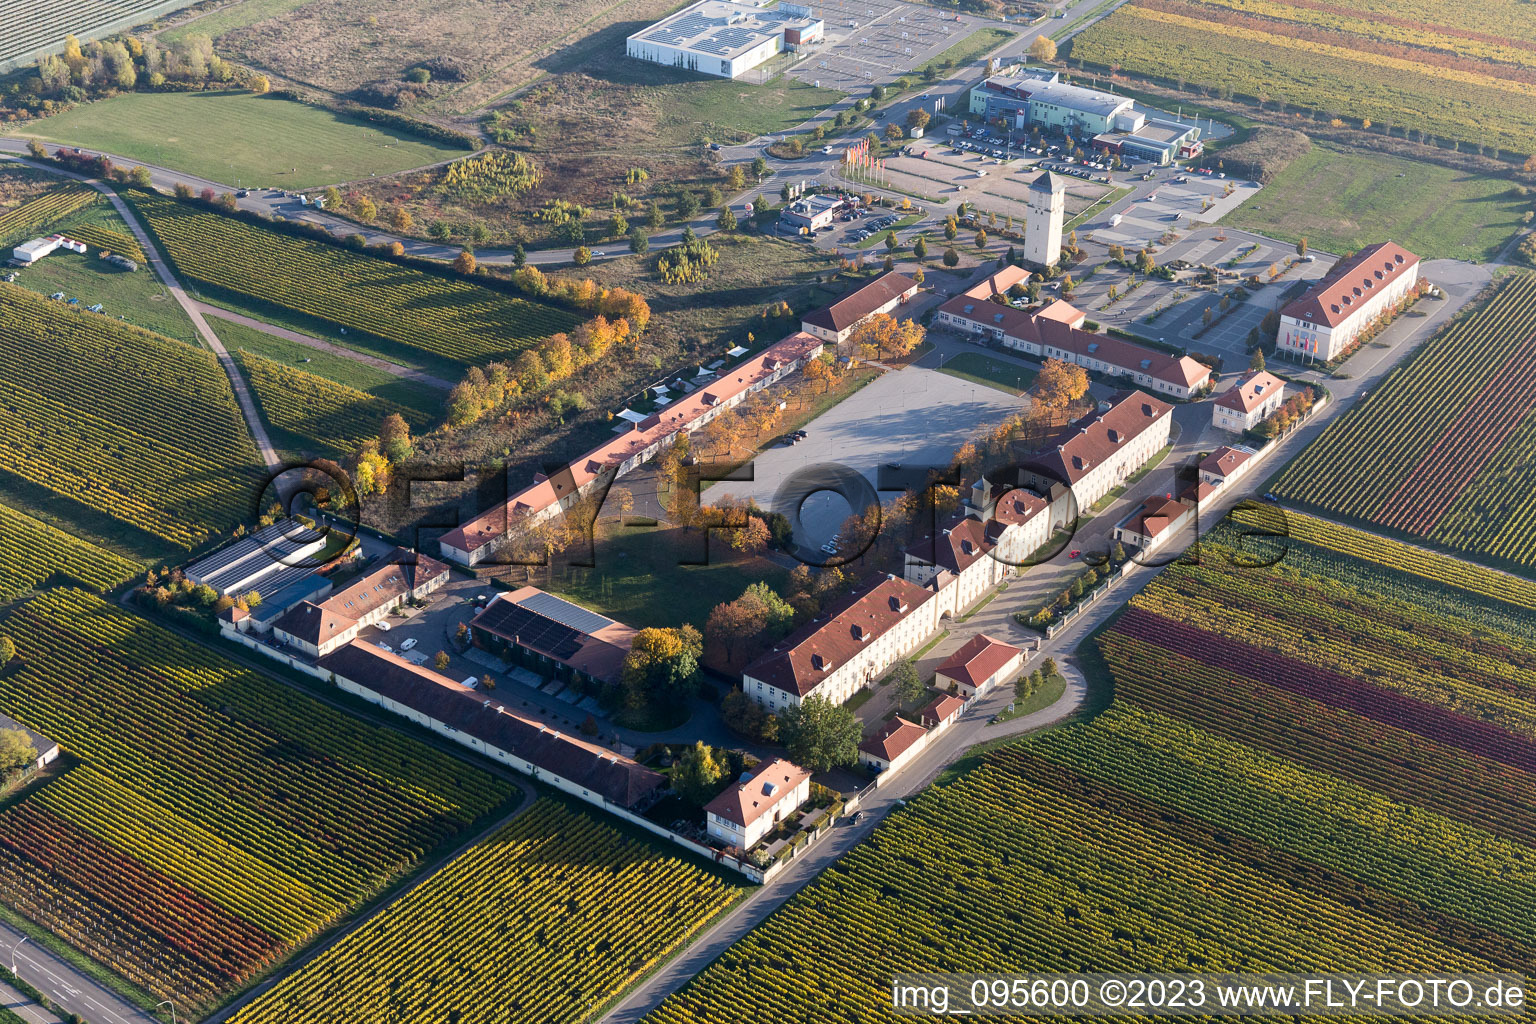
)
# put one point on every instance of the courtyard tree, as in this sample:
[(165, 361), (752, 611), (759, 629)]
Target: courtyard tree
[(1059, 384), (951, 258), (908, 684), (821, 735), (697, 774)]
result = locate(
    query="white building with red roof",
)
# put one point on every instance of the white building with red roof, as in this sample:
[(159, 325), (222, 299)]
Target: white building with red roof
[(834, 323), (550, 495), (1225, 465), (845, 648), (749, 810), (1358, 292), (893, 745), (980, 665), (1153, 522), (1097, 453), (1249, 402), (1054, 331)]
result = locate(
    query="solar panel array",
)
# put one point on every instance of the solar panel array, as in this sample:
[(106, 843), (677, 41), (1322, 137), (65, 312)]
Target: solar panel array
[(575, 616), (681, 30), (532, 629)]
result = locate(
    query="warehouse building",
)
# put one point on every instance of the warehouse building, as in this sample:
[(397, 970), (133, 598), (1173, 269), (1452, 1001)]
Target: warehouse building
[(725, 39)]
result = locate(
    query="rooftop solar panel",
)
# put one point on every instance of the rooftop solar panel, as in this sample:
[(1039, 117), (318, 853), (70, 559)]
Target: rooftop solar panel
[(575, 616)]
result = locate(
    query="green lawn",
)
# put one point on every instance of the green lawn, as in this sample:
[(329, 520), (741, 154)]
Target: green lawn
[(968, 49), (226, 19), (1340, 199), (1049, 693), (333, 367), (639, 580), (136, 296), (741, 109), (980, 368), (239, 139)]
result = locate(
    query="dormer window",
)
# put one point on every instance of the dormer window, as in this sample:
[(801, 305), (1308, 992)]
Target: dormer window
[(818, 662), (858, 632)]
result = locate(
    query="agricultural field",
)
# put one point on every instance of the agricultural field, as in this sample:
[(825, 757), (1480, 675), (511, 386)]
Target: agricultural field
[(311, 414), (546, 919), (1341, 199), (353, 374), (141, 428), (1450, 435), (26, 27), (136, 297), (28, 219), (217, 821), (405, 312), (1343, 737), (1462, 72), (238, 138), (32, 553)]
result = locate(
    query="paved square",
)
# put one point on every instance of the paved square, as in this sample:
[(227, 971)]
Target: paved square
[(914, 417)]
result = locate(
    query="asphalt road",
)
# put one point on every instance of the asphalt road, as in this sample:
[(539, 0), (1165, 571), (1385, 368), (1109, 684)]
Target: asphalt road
[(69, 990)]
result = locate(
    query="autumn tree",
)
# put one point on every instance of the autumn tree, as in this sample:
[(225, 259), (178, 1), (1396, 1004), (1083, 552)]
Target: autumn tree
[(920, 248), (1059, 384), (16, 751), (951, 258), (917, 117), (464, 262), (1301, 247), (366, 209), (1043, 48), (664, 662), (400, 218), (7, 650), (697, 775), (395, 438)]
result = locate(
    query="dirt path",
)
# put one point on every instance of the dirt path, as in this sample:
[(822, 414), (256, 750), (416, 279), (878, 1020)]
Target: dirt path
[(320, 345)]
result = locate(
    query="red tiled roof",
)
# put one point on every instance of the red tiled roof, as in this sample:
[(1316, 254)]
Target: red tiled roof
[(1250, 391), (397, 575), (956, 548), (801, 661), (1224, 460), (618, 779), (860, 303), (895, 738), (940, 708), (680, 415), (1092, 440), (751, 798), (1155, 515), (1351, 283), (978, 660)]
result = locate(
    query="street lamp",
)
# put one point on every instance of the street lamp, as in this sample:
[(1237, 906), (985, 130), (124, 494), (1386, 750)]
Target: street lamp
[(13, 953), (167, 1002)]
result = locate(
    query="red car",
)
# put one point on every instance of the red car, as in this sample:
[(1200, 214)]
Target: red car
[(1075, 553)]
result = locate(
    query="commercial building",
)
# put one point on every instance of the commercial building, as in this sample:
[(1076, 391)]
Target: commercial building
[(811, 213), (1356, 294), (573, 765), (834, 323), (980, 665), (724, 39), (1094, 455), (749, 810), (548, 496), (1153, 522), (552, 636), (849, 646), (1249, 402), (318, 629), (1039, 97), (1054, 331), (1154, 140), (266, 561)]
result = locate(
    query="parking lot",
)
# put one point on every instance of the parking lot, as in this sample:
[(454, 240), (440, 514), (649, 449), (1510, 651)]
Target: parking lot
[(910, 417), (868, 41)]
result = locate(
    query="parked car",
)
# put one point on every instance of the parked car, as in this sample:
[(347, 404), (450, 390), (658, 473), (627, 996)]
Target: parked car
[(381, 645), (714, 147), (384, 627), (408, 644)]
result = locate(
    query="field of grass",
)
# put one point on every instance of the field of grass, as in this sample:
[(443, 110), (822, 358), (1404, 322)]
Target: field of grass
[(979, 368), (312, 414), (1450, 435), (633, 564), (1341, 199), (422, 397), (226, 19), (1425, 68), (398, 312), (739, 110), (1342, 737), (218, 820), (237, 138), (136, 296), (139, 428), (551, 916)]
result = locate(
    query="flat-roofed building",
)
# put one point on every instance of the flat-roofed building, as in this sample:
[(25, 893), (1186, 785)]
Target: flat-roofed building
[(725, 39), (266, 561), (747, 811)]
